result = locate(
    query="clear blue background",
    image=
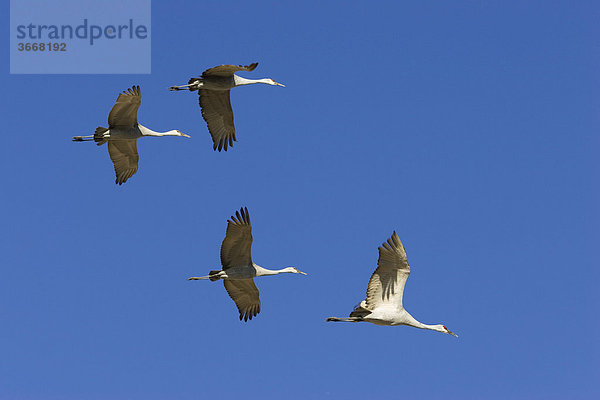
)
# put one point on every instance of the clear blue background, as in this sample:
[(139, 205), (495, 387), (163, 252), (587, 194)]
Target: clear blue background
[(470, 128)]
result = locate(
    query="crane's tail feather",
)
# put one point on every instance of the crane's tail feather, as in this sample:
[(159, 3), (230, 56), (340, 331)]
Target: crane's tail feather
[(214, 275), (360, 310), (350, 319), (99, 136), (193, 84)]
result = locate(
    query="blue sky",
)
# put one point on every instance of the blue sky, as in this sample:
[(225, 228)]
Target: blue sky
[(470, 128)]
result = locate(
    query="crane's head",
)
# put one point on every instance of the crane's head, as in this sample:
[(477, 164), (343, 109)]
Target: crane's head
[(448, 331), (270, 81), (294, 270)]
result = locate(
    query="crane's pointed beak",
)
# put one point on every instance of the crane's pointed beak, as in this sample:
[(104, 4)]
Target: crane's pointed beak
[(279, 84), (303, 273), (453, 334), (184, 135)]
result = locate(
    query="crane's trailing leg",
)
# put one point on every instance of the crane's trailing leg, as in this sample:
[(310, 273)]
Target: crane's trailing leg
[(83, 138), (100, 136), (212, 275), (182, 87), (193, 84), (350, 319)]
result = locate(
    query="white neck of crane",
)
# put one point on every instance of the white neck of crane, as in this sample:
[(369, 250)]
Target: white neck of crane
[(239, 81), (149, 132)]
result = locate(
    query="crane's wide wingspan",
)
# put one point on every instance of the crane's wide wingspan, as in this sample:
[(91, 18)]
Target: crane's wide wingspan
[(124, 156), (235, 249), (387, 282), (245, 295), (228, 70), (218, 114), (124, 112)]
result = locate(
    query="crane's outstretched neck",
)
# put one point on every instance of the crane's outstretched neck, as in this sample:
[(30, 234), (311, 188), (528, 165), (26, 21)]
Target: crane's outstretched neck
[(430, 327), (411, 321), (438, 328), (149, 132), (239, 81), (260, 271)]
